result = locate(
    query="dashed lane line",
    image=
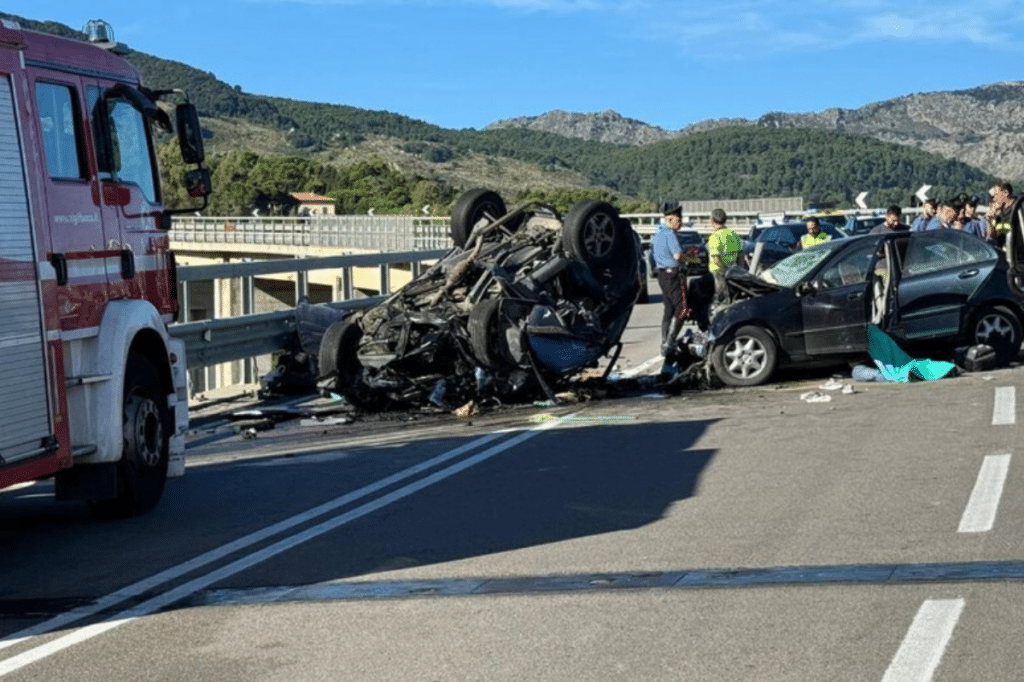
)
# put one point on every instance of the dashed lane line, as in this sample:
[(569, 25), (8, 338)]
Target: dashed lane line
[(1004, 410), (983, 505), (921, 651)]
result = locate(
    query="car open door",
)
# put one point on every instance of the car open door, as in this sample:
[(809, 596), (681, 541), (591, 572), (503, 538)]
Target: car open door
[(884, 278), (1015, 246), (836, 305), (942, 271)]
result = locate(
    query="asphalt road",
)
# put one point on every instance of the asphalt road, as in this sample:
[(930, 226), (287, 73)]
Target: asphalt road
[(719, 535)]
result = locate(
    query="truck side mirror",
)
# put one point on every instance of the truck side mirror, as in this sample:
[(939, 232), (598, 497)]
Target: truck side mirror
[(197, 183), (190, 134)]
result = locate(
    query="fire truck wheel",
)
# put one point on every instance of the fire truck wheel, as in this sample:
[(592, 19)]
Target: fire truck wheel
[(142, 471)]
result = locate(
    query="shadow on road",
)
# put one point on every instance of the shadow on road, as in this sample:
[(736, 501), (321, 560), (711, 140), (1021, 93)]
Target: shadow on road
[(575, 481), (565, 484)]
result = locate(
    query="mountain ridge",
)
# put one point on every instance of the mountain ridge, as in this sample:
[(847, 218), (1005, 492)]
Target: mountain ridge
[(981, 126)]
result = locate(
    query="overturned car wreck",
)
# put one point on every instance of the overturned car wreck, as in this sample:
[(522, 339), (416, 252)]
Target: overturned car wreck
[(524, 301)]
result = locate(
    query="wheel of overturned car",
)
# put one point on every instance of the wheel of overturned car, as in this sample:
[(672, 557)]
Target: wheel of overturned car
[(593, 233), (747, 358), (472, 207), (339, 357), (486, 334), (998, 327)]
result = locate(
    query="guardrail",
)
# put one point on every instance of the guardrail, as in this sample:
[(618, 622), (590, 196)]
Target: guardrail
[(216, 341), (375, 233)]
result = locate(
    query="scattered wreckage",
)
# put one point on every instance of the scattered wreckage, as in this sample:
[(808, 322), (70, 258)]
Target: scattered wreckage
[(524, 301)]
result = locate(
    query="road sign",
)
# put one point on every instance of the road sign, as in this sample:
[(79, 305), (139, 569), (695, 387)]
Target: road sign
[(860, 199), (922, 193)]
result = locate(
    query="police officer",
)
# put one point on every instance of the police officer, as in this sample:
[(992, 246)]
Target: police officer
[(668, 263)]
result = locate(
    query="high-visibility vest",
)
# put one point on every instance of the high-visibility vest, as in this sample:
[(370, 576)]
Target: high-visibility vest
[(810, 240)]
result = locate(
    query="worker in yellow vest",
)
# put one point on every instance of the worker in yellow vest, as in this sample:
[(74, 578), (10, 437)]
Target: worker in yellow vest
[(814, 234)]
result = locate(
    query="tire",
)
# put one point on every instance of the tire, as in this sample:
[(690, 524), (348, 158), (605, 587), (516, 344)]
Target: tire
[(487, 332), (998, 327), (147, 426), (593, 233), (747, 358), (483, 330), (339, 356), (472, 207)]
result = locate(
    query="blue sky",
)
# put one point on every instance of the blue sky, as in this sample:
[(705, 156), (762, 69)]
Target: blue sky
[(468, 63)]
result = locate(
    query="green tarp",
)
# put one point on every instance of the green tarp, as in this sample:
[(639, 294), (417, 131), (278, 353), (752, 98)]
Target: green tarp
[(896, 365)]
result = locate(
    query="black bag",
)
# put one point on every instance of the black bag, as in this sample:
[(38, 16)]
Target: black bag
[(979, 358)]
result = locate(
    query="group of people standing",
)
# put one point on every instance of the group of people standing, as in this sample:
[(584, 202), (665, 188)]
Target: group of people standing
[(692, 299), (960, 213)]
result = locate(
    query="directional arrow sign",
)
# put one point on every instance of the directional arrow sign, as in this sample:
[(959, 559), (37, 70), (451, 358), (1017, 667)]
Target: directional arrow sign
[(860, 199), (922, 193)]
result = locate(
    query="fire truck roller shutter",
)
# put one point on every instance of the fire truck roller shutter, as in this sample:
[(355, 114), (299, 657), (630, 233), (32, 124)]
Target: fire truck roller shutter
[(23, 392)]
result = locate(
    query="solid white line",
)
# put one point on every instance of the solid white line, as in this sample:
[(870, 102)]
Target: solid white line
[(1004, 411), (980, 514), (198, 562), (634, 371), (922, 648), (156, 603)]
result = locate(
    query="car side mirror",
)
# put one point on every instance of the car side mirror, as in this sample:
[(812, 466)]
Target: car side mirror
[(808, 287)]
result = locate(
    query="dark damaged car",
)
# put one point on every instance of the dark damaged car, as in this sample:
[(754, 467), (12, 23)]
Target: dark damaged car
[(930, 291), (525, 300)]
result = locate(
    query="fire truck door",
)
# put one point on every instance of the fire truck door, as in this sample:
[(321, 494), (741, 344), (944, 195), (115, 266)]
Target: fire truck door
[(27, 429), (134, 187), (78, 245)]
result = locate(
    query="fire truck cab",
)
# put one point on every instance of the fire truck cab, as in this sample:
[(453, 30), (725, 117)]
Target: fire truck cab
[(92, 387)]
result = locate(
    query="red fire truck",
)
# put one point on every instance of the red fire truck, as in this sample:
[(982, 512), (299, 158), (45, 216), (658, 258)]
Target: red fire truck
[(92, 387)]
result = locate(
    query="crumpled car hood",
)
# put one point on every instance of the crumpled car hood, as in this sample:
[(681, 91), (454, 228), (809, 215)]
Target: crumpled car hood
[(742, 284)]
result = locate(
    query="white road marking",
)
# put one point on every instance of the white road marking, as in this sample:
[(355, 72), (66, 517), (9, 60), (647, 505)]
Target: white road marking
[(160, 601), (980, 514), (1004, 411), (925, 643), (176, 572), (642, 367)]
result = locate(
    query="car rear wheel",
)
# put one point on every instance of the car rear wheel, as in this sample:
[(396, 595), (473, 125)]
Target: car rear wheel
[(747, 358), (998, 327), (475, 206)]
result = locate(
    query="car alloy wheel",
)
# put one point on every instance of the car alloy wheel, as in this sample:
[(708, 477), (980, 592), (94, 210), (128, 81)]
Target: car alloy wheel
[(746, 359), (999, 328)]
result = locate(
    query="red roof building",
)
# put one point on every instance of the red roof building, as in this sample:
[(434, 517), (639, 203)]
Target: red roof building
[(313, 204)]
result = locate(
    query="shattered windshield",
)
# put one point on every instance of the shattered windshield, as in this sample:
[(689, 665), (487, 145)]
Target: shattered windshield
[(789, 271)]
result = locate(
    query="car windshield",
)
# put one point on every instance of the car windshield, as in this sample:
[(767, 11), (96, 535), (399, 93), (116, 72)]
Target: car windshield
[(789, 271), (689, 238)]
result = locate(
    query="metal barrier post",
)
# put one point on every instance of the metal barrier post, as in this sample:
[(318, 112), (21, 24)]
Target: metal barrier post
[(347, 284), (249, 370)]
